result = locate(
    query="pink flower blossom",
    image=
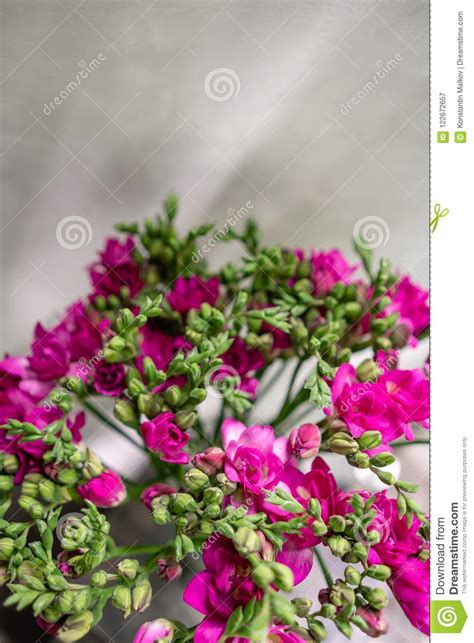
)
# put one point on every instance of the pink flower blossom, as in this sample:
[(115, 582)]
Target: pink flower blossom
[(116, 269), (305, 441), (155, 490), (159, 346), (81, 332), (191, 292), (329, 268), (159, 631), (388, 405), (375, 621), (210, 461), (106, 490), (49, 358), (162, 436), (109, 379), (254, 457), (411, 302)]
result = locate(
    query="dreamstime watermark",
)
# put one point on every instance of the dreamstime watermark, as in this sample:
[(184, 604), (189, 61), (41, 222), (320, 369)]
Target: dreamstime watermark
[(234, 216), (74, 232), (222, 381), (221, 84), (371, 232), (365, 524), (383, 70), (85, 70)]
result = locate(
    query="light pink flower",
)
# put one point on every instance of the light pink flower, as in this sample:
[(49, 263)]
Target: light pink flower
[(163, 436), (159, 631), (106, 490), (305, 441)]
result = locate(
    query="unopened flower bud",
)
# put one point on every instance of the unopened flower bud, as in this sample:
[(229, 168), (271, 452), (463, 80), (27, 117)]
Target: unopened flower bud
[(341, 594), (305, 441), (339, 546), (302, 606), (65, 601), (369, 440), (213, 496), (352, 576), (337, 523), (4, 575), (185, 419), (317, 629), (282, 608), (368, 371), (376, 598), (284, 578), (122, 599), (6, 484), (210, 461), (172, 395), (181, 503), (125, 411), (9, 463), (159, 631), (375, 622), (247, 541), (46, 489), (160, 515), (31, 506), (360, 460), (379, 572), (314, 507), (99, 579), (263, 575), (360, 551), (168, 569), (195, 480), (76, 626), (228, 487), (319, 528), (328, 610), (343, 444), (128, 568), (141, 596), (7, 547)]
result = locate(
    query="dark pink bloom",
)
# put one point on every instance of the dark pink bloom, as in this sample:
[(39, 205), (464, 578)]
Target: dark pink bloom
[(168, 569), (244, 360), (49, 358), (155, 490), (159, 631), (388, 405), (106, 490), (19, 390), (162, 436), (254, 457), (81, 332), (117, 268), (375, 620), (411, 302), (329, 268), (305, 441), (50, 628), (190, 292), (210, 461), (109, 379), (159, 346)]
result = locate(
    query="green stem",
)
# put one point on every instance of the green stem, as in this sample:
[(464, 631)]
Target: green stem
[(289, 408), (296, 370), (326, 573), (405, 443), (101, 415), (116, 552)]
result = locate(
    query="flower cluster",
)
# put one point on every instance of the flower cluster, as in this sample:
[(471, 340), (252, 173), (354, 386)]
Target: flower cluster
[(159, 334)]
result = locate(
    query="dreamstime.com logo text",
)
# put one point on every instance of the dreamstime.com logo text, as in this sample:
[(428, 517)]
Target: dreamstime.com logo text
[(383, 70), (234, 216), (86, 69)]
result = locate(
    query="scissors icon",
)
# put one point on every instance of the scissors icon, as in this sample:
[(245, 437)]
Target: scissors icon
[(439, 214)]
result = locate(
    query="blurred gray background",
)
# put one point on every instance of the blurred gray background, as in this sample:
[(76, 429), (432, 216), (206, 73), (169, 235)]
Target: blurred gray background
[(225, 103)]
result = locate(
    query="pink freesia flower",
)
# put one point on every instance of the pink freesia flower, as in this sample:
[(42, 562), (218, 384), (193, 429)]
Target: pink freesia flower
[(254, 457), (81, 332), (159, 346), (388, 405), (154, 491), (109, 379), (329, 268), (19, 389), (191, 292), (210, 461), (49, 358), (106, 490), (411, 302), (305, 441), (159, 631), (375, 621), (116, 269), (163, 436), (245, 362)]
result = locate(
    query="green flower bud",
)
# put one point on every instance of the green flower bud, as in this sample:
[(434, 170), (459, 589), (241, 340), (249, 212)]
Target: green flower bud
[(128, 568), (141, 596), (31, 506), (382, 459), (46, 489), (337, 523), (317, 629), (65, 601), (213, 496), (160, 515), (182, 502), (7, 547), (50, 614), (352, 311), (146, 404), (343, 444), (74, 528), (341, 594), (172, 395), (206, 528), (9, 463), (369, 440), (328, 610), (314, 507), (360, 551), (385, 476), (186, 419), (125, 411), (339, 546), (246, 541), (76, 626), (359, 460), (302, 606), (92, 466), (282, 608), (263, 575), (319, 528), (67, 476), (284, 578), (6, 484), (352, 576), (29, 486), (122, 599), (376, 598), (228, 487), (195, 480), (379, 572), (368, 371), (99, 579), (4, 575), (212, 511)]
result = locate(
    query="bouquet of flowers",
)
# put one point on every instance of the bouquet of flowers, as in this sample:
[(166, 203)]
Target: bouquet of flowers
[(160, 333)]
